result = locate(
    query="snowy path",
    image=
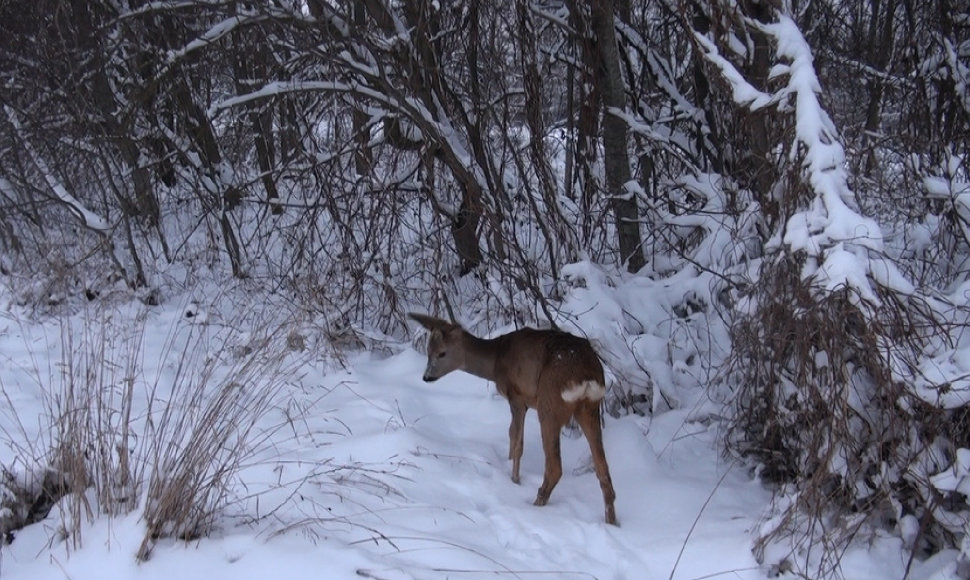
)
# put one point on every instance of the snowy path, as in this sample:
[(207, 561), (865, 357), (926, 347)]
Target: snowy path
[(452, 506), (371, 473), (381, 475)]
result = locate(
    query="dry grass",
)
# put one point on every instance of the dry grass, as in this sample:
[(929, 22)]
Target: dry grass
[(119, 436), (198, 446)]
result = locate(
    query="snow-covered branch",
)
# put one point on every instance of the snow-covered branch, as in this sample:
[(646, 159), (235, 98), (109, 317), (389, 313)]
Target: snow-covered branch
[(214, 34), (742, 92), (830, 229), (87, 217), (834, 235)]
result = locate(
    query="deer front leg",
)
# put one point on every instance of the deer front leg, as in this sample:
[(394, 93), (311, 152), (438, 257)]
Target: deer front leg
[(550, 444), (516, 429)]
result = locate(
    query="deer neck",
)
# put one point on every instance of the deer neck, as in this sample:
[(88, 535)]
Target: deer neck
[(480, 356)]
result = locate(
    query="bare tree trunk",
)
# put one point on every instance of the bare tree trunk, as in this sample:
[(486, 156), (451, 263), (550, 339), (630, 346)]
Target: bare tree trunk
[(250, 67), (363, 156), (710, 145), (87, 25), (587, 128), (495, 217), (550, 221), (616, 160), (759, 169), (881, 43), (420, 66), (265, 156), (218, 197)]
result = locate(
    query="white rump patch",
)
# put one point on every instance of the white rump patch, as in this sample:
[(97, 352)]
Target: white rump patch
[(589, 390)]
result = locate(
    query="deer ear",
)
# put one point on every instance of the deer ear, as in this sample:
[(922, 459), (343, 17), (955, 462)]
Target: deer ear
[(429, 322)]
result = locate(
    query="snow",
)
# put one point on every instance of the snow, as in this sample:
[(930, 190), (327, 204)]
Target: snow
[(944, 380), (367, 471), (953, 187), (955, 478), (390, 477)]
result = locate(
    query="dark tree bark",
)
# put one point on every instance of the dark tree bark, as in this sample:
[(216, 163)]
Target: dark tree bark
[(250, 64), (757, 169), (363, 156), (881, 48), (615, 139), (88, 18), (419, 75)]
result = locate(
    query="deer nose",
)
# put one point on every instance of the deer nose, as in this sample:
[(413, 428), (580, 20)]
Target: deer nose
[(428, 378)]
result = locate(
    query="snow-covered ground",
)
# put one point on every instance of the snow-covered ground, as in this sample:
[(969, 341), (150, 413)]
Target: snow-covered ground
[(366, 471)]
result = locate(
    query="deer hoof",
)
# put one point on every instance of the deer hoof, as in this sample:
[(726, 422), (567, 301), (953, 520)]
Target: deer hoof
[(540, 500), (611, 516), (515, 479)]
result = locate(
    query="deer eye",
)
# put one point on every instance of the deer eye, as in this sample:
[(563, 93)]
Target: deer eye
[(441, 354)]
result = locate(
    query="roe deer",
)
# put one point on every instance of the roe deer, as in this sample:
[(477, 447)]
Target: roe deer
[(553, 372)]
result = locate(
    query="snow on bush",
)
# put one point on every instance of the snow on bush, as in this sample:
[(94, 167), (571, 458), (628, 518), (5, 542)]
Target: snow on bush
[(663, 337), (836, 399)]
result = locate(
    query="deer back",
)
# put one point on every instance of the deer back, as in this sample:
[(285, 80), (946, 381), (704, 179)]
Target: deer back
[(534, 364)]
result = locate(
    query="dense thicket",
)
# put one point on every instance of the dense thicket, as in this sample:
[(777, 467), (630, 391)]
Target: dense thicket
[(367, 156)]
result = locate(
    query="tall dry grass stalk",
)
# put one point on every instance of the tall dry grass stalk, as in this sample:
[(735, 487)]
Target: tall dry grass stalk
[(198, 440), (165, 436)]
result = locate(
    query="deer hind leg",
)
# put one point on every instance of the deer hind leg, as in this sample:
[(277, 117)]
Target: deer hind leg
[(551, 428), (588, 417), (516, 429)]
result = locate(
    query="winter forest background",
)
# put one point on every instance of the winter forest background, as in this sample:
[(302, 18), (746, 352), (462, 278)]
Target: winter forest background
[(758, 208)]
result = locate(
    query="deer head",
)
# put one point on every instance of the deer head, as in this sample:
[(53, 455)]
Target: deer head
[(445, 350)]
